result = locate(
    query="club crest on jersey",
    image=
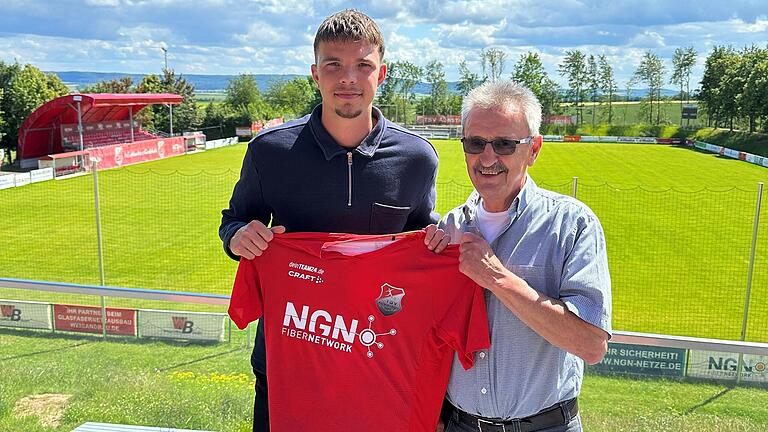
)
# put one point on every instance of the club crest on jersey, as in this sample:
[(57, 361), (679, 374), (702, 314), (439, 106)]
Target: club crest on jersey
[(390, 301)]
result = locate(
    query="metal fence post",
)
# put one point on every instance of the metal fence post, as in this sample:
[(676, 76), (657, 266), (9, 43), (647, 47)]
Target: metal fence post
[(95, 171), (575, 186), (748, 295)]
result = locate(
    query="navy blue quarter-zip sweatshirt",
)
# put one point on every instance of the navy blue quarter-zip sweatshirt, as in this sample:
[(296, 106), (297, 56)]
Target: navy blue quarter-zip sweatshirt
[(298, 176)]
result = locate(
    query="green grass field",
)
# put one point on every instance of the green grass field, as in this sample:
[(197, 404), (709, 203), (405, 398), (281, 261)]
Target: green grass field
[(204, 98), (627, 113), (678, 225), (197, 386), (677, 252)]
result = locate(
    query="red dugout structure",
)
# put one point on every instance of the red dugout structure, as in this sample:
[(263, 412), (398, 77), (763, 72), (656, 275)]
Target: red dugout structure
[(98, 126)]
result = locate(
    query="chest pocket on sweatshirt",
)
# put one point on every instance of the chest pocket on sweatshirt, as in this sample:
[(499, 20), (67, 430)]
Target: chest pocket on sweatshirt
[(387, 219)]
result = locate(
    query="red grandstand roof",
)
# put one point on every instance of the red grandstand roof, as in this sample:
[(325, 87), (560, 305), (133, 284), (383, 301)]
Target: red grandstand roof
[(96, 107)]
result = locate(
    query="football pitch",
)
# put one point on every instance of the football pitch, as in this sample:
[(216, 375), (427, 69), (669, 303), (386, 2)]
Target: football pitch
[(678, 226)]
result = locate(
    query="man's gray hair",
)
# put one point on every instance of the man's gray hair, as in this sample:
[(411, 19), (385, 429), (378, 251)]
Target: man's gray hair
[(506, 96)]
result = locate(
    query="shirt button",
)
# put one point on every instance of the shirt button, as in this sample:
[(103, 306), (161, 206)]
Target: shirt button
[(482, 355), (483, 390)]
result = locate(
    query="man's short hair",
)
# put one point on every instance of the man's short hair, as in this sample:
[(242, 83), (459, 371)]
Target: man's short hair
[(504, 95), (350, 25)]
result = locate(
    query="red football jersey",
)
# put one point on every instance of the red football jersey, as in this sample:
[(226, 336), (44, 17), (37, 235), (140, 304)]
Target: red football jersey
[(361, 342)]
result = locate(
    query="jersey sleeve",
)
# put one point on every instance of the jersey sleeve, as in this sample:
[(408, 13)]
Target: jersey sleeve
[(464, 327), (246, 303)]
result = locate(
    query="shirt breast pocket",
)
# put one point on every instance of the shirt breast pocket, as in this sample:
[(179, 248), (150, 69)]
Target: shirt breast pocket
[(387, 219), (540, 278)]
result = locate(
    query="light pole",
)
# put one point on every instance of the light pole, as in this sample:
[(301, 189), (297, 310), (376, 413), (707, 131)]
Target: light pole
[(165, 56)]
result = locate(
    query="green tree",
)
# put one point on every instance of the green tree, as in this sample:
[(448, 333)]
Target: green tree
[(593, 83), (317, 97), (24, 90), (404, 76), (2, 122), (214, 114), (651, 72), (711, 97), (467, 79), (754, 99), (731, 86), (149, 84), (608, 85), (241, 92), (119, 85), (221, 115), (246, 101), (529, 71), (293, 98), (388, 89), (746, 108), (7, 72), (435, 76), (683, 61), (574, 69), (185, 115), (493, 61)]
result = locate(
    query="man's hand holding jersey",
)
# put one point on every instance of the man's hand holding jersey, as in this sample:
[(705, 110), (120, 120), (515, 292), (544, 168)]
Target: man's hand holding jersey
[(436, 239), (251, 240)]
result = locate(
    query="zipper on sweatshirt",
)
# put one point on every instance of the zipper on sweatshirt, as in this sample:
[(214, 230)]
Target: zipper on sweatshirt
[(349, 179)]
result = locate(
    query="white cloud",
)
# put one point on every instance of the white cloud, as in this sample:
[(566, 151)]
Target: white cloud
[(263, 34), (648, 39), (759, 26), (275, 36), (100, 3)]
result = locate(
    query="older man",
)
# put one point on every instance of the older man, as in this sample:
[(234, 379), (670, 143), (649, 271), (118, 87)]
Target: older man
[(541, 258)]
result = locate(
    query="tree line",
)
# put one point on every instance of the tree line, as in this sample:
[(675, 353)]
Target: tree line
[(22, 90), (733, 92), (734, 88)]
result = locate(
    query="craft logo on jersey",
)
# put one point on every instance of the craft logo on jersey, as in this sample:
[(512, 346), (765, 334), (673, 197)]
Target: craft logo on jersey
[(10, 312), (305, 272), (182, 324), (390, 301)]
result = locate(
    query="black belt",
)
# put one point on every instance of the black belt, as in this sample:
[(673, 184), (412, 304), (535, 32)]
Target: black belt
[(556, 415)]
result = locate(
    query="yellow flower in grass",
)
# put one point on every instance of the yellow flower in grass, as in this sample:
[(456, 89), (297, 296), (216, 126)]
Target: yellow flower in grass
[(214, 378)]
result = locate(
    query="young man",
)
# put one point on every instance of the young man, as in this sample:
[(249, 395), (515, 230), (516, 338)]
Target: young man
[(541, 257), (343, 168)]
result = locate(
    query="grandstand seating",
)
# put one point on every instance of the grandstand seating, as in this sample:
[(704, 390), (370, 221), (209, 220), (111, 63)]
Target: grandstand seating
[(99, 138)]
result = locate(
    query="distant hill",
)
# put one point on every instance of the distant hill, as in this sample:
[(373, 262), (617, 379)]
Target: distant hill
[(217, 83), (202, 83)]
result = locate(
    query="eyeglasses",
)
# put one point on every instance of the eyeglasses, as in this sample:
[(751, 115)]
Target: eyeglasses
[(501, 146)]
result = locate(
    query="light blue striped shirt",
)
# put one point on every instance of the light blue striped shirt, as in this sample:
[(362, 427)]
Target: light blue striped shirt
[(555, 243)]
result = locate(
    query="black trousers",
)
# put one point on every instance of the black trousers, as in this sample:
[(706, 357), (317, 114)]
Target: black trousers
[(261, 405)]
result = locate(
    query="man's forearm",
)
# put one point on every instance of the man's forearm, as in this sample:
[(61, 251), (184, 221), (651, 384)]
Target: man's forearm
[(550, 318)]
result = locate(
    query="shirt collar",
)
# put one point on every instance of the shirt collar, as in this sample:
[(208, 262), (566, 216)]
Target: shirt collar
[(518, 204), (331, 148)]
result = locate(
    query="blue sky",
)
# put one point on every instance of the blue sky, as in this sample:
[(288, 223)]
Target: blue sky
[(275, 36)]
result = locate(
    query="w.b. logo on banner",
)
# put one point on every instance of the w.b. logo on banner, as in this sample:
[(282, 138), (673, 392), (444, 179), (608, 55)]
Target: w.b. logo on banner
[(10, 311), (182, 324)]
